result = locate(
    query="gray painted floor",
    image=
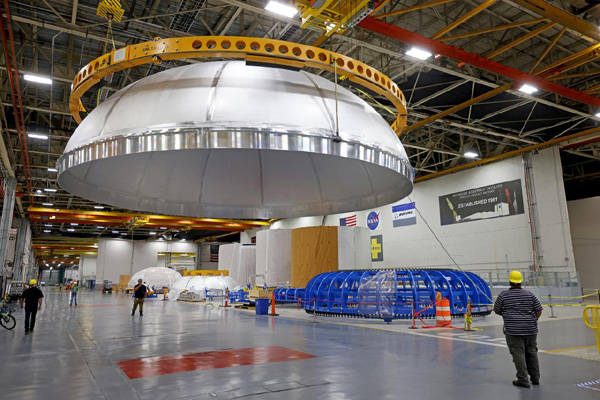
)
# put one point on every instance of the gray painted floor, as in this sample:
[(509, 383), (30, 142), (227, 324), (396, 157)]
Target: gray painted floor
[(73, 354)]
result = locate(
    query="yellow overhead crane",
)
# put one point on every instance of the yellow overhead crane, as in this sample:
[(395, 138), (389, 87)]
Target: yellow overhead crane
[(333, 16)]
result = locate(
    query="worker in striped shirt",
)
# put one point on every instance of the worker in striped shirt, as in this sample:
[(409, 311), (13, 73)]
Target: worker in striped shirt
[(521, 310)]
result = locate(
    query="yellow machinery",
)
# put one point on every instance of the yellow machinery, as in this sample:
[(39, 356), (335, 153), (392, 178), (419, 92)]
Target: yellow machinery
[(333, 16), (198, 272)]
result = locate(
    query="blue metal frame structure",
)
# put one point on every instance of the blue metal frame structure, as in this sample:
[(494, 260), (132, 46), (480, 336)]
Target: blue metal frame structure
[(288, 295), (383, 294)]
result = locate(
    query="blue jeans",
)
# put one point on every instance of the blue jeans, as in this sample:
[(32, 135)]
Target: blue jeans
[(73, 297), (30, 314)]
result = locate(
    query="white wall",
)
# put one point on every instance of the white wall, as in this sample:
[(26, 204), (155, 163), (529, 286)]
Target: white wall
[(119, 257), (585, 220), (492, 244), (87, 266)]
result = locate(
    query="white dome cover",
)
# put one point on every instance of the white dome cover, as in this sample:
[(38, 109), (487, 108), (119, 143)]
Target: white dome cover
[(225, 139), (198, 284), (156, 277)]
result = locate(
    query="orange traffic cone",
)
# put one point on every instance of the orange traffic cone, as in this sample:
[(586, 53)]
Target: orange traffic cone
[(443, 318), (272, 313), (226, 297)]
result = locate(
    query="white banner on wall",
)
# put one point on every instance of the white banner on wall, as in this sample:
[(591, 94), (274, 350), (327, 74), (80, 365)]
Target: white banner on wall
[(404, 215)]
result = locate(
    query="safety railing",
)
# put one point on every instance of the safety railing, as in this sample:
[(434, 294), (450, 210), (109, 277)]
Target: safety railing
[(594, 312)]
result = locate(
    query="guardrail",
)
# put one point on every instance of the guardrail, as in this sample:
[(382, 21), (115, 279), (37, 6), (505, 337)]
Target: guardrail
[(594, 311)]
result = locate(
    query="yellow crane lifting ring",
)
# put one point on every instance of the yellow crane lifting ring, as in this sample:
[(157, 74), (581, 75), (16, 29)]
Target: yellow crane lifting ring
[(258, 50)]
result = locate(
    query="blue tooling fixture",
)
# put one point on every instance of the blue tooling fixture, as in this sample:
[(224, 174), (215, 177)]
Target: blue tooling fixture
[(395, 294), (288, 295)]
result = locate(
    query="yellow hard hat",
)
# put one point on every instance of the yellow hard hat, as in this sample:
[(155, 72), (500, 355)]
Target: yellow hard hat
[(515, 277), (33, 282)]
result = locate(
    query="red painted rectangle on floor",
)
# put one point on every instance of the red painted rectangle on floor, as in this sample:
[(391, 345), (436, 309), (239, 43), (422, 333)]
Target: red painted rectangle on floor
[(153, 366)]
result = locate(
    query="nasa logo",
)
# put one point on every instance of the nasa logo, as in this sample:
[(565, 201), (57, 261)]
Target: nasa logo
[(373, 220)]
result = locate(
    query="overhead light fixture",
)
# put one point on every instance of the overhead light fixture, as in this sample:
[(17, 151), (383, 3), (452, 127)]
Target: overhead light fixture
[(47, 231), (37, 79), (124, 233), (74, 224), (52, 170), (598, 115), (152, 233), (50, 268), (115, 231), (100, 227), (70, 230), (418, 53), (37, 136), (471, 154), (281, 9), (72, 248), (528, 89), (48, 225), (99, 207), (38, 191), (47, 204), (50, 190), (162, 227)]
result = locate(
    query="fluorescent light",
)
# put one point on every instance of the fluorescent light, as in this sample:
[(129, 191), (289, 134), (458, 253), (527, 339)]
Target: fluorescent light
[(47, 231), (528, 89), (37, 136), (419, 53), (74, 224), (70, 230), (162, 227), (152, 233), (52, 170), (281, 9), (49, 190), (115, 231), (100, 227), (471, 154), (38, 191), (48, 225), (598, 115), (37, 79), (47, 204), (124, 233), (99, 207)]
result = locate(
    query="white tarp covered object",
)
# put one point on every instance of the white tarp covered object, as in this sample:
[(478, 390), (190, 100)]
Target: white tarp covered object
[(156, 277), (274, 256), (261, 257), (198, 284), (240, 261)]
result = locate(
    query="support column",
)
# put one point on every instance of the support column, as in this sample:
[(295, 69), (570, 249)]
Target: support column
[(9, 186), (20, 248)]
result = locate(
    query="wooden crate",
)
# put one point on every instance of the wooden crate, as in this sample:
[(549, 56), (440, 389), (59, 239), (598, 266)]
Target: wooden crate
[(314, 250), (259, 294), (124, 280)]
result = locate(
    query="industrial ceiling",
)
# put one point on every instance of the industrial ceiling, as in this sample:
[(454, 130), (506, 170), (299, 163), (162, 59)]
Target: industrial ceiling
[(466, 97)]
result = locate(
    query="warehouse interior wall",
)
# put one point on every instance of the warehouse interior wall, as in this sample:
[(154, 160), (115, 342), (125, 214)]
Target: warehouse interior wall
[(497, 244), (585, 219), (122, 257), (87, 267)]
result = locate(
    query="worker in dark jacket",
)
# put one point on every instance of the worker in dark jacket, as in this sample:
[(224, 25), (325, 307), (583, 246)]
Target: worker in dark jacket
[(139, 294), (521, 310), (32, 298)]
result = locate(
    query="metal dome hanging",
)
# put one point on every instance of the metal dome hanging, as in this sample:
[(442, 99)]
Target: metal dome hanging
[(230, 139)]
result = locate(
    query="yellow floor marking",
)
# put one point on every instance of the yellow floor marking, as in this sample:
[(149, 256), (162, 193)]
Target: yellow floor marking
[(569, 349)]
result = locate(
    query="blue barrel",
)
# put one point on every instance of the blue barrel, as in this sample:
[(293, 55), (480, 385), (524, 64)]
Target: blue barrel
[(262, 306)]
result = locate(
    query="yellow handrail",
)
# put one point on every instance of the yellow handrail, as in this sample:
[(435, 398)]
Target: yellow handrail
[(595, 324)]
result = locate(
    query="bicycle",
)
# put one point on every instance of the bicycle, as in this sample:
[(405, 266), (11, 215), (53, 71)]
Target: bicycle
[(6, 319)]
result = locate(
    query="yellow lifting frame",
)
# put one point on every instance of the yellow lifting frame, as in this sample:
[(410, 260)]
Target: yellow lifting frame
[(257, 49)]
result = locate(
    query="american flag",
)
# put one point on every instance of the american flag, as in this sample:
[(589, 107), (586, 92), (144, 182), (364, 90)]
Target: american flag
[(348, 221), (214, 253)]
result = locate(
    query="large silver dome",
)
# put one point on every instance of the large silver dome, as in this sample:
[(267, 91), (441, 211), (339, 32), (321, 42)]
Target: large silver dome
[(223, 139)]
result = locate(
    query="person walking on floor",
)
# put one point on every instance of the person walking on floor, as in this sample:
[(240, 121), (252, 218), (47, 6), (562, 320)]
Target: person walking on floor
[(520, 310), (139, 294), (74, 289), (32, 297)]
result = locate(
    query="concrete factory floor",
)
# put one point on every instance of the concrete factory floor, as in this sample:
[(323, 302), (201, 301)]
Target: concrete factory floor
[(189, 351)]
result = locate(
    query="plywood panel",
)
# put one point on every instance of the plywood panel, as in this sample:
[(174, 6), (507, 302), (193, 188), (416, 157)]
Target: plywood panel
[(314, 250)]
